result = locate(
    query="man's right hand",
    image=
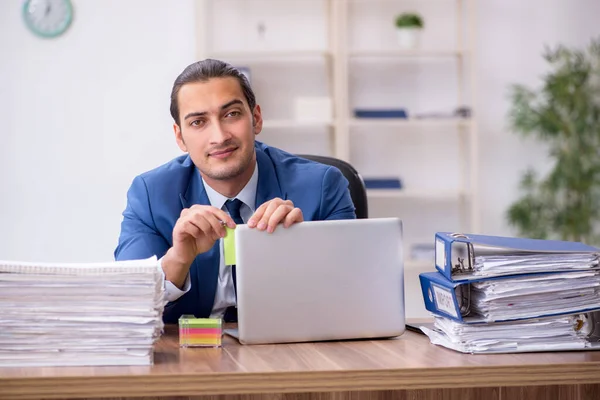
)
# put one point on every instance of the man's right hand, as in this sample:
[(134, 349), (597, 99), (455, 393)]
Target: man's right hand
[(195, 232)]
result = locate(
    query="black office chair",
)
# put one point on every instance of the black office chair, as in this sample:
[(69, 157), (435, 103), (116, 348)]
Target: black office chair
[(358, 192)]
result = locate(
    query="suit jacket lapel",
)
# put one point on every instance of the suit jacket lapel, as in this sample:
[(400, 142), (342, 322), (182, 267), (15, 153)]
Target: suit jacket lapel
[(195, 192), (268, 185)]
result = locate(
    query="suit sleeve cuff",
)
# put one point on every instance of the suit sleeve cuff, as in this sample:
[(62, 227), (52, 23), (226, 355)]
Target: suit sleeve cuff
[(172, 292)]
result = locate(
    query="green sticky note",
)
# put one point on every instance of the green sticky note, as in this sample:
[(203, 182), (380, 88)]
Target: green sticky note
[(229, 246)]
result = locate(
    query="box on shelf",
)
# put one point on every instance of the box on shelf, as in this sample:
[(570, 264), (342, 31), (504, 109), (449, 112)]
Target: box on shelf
[(383, 183), (380, 113)]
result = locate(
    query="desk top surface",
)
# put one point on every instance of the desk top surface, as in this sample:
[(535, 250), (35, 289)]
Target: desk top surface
[(406, 362)]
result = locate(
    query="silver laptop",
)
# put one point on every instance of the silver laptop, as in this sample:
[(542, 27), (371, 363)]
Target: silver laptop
[(321, 280)]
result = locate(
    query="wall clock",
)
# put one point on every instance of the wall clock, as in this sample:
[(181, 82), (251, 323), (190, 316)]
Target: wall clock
[(48, 18)]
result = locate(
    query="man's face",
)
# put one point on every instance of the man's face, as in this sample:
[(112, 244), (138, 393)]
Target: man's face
[(217, 127)]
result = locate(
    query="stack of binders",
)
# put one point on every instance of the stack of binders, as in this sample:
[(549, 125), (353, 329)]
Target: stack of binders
[(495, 294)]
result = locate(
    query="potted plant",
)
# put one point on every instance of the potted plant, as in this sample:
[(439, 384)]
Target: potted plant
[(408, 28), (564, 114)]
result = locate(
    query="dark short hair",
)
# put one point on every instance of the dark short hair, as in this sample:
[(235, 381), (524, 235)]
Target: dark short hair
[(202, 71)]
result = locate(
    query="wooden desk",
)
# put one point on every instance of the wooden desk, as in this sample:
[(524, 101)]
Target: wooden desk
[(405, 368)]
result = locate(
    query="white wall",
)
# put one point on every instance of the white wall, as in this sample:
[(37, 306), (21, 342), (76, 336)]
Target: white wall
[(82, 114), (79, 117)]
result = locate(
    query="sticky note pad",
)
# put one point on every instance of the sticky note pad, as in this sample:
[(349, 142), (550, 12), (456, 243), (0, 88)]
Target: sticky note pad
[(229, 246), (200, 332)]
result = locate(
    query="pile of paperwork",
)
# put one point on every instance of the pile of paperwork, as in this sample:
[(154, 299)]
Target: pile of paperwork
[(80, 314), (493, 294)]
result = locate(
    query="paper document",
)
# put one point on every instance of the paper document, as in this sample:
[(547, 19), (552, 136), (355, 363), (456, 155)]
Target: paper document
[(570, 332), (80, 313)]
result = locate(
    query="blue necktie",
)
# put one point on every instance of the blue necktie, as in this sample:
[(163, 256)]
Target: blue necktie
[(233, 207)]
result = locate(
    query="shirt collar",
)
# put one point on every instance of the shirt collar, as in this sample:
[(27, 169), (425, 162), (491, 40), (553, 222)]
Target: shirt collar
[(247, 195)]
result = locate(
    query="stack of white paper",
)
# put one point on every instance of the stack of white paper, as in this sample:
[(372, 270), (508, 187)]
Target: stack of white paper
[(80, 314), (567, 332)]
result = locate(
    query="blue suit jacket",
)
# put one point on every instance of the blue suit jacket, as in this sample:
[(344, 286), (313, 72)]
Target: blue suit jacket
[(156, 198)]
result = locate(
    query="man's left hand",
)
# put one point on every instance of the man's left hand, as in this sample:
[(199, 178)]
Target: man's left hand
[(274, 212)]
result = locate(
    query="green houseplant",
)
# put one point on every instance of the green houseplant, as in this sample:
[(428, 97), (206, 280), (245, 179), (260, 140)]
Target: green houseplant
[(408, 28), (564, 113)]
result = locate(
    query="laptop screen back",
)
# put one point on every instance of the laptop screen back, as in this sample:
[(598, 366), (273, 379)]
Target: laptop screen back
[(321, 280)]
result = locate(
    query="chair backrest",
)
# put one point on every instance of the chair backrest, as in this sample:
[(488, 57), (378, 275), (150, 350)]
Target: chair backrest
[(358, 192)]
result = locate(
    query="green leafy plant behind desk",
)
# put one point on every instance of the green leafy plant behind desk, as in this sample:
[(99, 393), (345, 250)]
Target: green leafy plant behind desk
[(565, 114)]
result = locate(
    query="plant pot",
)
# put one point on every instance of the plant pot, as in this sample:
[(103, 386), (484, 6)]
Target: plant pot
[(408, 38)]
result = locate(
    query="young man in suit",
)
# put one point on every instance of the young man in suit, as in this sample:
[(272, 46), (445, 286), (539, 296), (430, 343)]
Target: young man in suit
[(177, 210)]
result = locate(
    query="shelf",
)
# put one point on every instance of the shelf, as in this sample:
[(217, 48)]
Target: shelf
[(410, 122), (437, 195), (291, 123), (397, 53), (271, 55)]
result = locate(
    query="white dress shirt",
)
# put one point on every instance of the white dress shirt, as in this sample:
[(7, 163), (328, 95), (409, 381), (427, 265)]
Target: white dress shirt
[(225, 293)]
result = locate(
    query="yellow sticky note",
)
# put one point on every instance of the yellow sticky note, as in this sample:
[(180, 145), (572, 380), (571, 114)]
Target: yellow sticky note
[(229, 246)]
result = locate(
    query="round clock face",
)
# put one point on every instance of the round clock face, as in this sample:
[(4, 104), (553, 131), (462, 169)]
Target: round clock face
[(48, 18)]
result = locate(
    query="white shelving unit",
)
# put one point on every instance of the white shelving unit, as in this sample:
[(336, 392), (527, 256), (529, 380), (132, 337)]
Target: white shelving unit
[(345, 50), (380, 58)]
